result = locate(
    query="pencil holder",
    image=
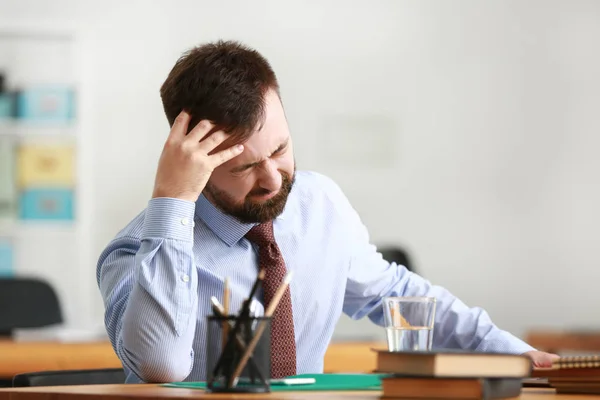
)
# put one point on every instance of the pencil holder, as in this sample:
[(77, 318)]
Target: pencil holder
[(228, 342)]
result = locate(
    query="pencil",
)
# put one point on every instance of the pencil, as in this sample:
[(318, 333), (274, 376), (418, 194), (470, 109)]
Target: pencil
[(259, 331), (225, 312), (244, 312), (218, 310)]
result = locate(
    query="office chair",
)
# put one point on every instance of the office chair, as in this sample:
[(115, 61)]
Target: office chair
[(27, 303), (104, 376), (397, 255)]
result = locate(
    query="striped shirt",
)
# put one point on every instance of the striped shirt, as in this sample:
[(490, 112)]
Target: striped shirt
[(157, 275)]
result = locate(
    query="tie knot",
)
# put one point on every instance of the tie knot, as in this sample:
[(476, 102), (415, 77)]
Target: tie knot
[(261, 234)]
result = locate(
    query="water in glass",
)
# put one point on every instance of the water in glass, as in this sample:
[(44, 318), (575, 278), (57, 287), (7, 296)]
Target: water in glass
[(411, 338)]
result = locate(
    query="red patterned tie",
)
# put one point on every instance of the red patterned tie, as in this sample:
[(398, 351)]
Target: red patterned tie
[(283, 343)]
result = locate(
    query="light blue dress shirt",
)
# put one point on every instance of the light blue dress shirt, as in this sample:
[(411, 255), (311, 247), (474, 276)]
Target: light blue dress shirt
[(158, 274)]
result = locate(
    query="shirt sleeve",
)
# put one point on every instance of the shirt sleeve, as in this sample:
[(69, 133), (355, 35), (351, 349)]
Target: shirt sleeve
[(370, 278), (149, 286)]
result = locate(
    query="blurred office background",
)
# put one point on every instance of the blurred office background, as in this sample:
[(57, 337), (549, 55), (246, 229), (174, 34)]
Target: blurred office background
[(465, 132)]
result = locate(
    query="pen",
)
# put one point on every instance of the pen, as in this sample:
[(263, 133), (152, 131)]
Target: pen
[(246, 306), (236, 328), (225, 313), (259, 331), (293, 381), (218, 310)]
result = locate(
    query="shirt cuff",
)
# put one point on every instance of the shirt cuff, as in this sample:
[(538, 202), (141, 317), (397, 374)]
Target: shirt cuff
[(169, 218), (504, 342)]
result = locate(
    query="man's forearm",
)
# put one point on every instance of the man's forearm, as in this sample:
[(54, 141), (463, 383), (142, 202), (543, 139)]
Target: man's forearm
[(158, 299), (460, 326)]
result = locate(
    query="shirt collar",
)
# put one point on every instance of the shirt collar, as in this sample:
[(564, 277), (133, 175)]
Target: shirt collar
[(226, 227)]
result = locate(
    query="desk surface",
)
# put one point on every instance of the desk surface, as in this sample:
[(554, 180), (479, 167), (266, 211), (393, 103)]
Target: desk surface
[(561, 341), (150, 391), (19, 357)]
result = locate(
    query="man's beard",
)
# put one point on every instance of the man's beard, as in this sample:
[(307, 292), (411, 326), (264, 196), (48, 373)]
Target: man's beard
[(250, 211)]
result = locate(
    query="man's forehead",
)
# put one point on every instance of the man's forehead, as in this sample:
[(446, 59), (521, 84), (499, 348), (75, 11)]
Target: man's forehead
[(258, 147)]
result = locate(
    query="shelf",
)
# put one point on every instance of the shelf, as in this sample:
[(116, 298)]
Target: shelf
[(36, 129), (11, 228), (44, 53)]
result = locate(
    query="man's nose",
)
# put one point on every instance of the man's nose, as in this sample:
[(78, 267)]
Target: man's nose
[(270, 178)]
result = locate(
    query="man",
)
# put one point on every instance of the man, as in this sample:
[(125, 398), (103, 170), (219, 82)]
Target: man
[(227, 200)]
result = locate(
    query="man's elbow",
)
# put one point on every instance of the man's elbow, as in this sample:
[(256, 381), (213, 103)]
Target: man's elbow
[(165, 370), (154, 364)]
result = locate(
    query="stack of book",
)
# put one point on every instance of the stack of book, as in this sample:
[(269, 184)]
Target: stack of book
[(576, 374), (452, 375)]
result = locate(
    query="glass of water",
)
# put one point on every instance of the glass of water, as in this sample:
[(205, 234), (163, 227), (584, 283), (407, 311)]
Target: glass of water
[(409, 322)]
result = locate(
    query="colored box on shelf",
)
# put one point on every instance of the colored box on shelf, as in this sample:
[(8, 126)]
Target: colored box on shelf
[(7, 106), (47, 204), (6, 258), (46, 104), (46, 165), (7, 179)]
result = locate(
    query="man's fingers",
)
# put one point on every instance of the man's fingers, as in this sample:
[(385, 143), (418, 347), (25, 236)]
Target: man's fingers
[(207, 143), (225, 155), (180, 125), (203, 138), (200, 130), (211, 142)]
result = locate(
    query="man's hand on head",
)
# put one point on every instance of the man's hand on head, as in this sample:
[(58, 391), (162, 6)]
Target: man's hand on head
[(186, 163)]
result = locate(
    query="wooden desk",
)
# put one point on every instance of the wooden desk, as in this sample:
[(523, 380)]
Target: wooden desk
[(19, 357), (561, 341), (147, 392), (351, 357)]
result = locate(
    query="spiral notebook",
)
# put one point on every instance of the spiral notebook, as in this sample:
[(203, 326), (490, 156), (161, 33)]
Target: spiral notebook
[(573, 375), (578, 362), (581, 367)]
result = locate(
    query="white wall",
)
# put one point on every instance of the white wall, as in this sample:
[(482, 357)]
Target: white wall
[(489, 110)]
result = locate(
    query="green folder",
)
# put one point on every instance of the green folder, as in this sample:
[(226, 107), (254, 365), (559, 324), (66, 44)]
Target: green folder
[(323, 382)]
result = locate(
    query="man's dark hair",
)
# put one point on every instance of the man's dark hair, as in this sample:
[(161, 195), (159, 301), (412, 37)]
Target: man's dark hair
[(224, 82)]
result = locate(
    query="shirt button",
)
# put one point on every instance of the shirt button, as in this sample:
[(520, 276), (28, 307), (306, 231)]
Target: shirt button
[(185, 278), (185, 221)]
